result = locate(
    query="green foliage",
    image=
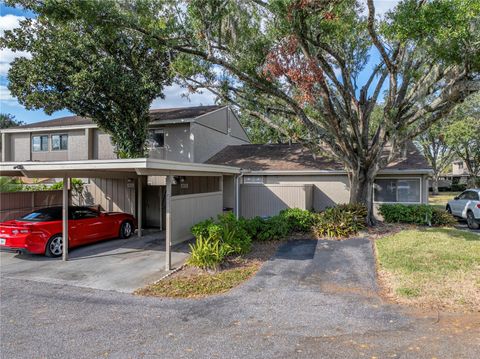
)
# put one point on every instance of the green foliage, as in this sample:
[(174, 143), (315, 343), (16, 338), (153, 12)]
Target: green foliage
[(340, 222), (421, 214), (103, 71), (9, 184), (274, 228), (7, 120), (215, 240), (299, 220), (208, 252)]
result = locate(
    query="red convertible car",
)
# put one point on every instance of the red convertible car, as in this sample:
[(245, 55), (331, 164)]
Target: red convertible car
[(40, 232)]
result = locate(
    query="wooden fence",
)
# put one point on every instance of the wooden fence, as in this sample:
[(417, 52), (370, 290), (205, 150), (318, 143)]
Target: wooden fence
[(16, 204)]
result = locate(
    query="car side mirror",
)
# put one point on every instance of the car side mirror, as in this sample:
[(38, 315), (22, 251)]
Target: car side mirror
[(455, 198)]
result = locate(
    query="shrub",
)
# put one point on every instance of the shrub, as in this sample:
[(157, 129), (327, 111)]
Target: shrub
[(253, 226), (357, 209), (207, 228), (208, 252), (275, 227), (339, 222), (234, 233), (458, 187), (442, 218), (298, 220), (402, 213)]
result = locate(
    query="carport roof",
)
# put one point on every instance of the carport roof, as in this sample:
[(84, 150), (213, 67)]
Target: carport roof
[(112, 168)]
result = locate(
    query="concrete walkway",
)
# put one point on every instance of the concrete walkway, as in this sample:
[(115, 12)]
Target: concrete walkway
[(121, 264), (315, 299)]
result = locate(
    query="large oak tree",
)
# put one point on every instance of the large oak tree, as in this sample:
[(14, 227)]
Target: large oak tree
[(309, 62)]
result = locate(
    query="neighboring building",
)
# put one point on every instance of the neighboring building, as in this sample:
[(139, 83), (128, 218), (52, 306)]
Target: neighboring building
[(185, 134), (199, 163), (280, 176)]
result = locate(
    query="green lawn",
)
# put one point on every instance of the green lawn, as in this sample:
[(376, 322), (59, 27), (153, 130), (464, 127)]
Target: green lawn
[(434, 267), (440, 200)]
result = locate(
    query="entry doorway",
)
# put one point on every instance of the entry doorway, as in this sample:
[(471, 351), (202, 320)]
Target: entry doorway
[(154, 208)]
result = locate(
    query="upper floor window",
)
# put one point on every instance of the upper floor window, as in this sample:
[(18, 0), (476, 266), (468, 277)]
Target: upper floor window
[(397, 190), (156, 139), (40, 143), (59, 142)]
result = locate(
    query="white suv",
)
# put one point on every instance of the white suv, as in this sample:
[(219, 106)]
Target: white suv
[(467, 206)]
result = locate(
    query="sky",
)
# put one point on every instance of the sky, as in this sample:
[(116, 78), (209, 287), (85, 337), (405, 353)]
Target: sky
[(174, 95)]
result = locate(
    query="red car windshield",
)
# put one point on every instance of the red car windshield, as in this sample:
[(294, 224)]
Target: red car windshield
[(44, 215)]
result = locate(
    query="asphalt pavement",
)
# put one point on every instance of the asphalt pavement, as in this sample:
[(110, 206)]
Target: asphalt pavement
[(314, 299)]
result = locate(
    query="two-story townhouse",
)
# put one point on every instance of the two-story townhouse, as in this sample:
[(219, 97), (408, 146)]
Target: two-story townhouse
[(200, 162)]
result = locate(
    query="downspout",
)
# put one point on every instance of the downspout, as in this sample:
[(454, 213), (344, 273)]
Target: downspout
[(237, 194)]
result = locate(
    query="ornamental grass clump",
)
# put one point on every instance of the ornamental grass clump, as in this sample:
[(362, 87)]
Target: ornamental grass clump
[(342, 221)]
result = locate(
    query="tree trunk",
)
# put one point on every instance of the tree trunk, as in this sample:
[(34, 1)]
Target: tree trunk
[(435, 185), (361, 191)]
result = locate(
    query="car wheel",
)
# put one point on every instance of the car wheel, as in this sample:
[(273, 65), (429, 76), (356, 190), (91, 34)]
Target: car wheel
[(471, 222), (54, 246), (126, 229), (449, 210)]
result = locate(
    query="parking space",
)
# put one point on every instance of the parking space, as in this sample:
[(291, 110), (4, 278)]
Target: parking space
[(121, 264)]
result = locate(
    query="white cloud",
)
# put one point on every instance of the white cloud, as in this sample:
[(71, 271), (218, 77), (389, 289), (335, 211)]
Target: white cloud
[(5, 95), (9, 22), (174, 98), (6, 58)]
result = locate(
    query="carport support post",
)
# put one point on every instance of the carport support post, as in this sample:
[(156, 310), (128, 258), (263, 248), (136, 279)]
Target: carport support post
[(139, 206), (168, 225), (65, 219)]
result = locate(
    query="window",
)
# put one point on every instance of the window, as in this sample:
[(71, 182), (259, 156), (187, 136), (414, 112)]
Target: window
[(44, 215), (84, 213), (253, 179), (156, 139), (397, 190), (40, 143), (59, 142)]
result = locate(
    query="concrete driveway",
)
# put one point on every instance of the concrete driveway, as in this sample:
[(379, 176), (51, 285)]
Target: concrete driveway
[(313, 300), (121, 264)]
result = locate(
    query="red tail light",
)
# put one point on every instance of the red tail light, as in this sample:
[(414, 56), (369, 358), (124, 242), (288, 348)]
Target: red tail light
[(478, 205)]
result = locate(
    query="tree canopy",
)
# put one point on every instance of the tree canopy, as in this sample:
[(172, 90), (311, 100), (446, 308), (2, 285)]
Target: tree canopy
[(8, 120), (312, 63), (109, 74)]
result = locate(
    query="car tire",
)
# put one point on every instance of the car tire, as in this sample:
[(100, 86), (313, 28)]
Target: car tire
[(449, 210), (54, 246), (471, 221), (126, 229)]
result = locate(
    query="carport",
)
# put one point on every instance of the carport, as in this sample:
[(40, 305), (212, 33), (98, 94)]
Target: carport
[(182, 210)]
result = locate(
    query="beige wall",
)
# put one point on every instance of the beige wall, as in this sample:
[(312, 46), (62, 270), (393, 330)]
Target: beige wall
[(327, 190), (267, 200), (190, 209), (112, 194), (19, 147)]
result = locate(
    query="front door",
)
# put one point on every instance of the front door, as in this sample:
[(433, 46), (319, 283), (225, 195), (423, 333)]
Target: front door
[(152, 199)]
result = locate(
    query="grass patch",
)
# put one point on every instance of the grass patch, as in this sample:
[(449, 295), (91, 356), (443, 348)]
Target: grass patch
[(193, 282), (440, 200), (201, 284), (434, 267)]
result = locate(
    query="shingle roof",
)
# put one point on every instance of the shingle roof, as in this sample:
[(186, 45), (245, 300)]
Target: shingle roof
[(281, 157), (164, 114)]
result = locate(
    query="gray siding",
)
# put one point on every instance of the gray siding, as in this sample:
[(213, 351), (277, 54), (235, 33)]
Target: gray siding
[(327, 190), (178, 143), (268, 200), (217, 120), (111, 194), (209, 141), (236, 129), (102, 146), (20, 147)]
